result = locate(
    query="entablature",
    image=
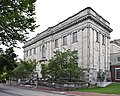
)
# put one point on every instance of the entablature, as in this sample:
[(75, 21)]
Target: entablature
[(87, 13)]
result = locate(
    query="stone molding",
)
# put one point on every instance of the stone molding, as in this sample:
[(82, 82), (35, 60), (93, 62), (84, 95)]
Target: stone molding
[(87, 13)]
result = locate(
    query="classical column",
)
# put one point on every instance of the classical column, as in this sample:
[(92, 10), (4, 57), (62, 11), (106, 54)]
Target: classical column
[(88, 46), (85, 48), (80, 47), (91, 48)]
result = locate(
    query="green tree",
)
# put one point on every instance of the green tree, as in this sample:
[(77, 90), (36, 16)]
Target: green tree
[(64, 65), (17, 18), (3, 74), (2, 63), (8, 60), (101, 76), (11, 58), (24, 69), (44, 71)]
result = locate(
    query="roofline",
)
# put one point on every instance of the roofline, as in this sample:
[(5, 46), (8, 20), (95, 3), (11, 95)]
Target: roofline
[(76, 18), (115, 42)]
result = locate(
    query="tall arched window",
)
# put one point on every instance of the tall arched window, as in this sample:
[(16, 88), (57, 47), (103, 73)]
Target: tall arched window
[(43, 51)]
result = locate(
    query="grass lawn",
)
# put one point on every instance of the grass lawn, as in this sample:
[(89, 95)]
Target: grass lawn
[(113, 88)]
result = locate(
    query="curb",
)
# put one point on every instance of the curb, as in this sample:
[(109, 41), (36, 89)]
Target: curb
[(47, 91)]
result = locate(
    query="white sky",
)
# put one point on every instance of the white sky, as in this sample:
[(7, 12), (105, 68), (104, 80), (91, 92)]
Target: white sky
[(51, 12)]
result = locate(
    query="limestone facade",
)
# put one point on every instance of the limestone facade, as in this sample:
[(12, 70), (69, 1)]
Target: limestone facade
[(86, 32)]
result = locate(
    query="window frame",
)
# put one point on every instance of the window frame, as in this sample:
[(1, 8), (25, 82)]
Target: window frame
[(116, 74), (43, 51), (74, 37), (30, 52), (118, 59), (35, 50), (103, 39), (27, 53), (64, 40), (97, 36), (56, 43)]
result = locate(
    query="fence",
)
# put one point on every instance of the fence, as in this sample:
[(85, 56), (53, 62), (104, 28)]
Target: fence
[(62, 85)]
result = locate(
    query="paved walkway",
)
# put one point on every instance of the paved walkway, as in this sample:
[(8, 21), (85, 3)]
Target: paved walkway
[(69, 93), (89, 94)]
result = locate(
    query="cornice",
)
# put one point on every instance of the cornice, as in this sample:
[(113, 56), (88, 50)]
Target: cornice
[(101, 23), (87, 13), (117, 42)]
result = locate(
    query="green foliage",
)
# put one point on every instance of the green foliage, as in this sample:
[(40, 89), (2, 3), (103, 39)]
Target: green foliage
[(64, 65), (101, 76), (3, 75), (113, 88), (17, 18), (44, 71), (7, 60), (2, 63), (24, 69), (11, 58)]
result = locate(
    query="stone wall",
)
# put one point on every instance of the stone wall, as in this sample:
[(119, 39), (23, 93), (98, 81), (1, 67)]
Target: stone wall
[(93, 55)]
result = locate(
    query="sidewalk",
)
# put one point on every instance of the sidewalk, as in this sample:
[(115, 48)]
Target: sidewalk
[(88, 94), (68, 93)]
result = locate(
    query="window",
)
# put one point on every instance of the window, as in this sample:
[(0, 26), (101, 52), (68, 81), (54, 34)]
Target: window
[(56, 43), (35, 69), (26, 53), (118, 58), (43, 51), (117, 73), (34, 50), (74, 37), (97, 37), (30, 51), (103, 39), (65, 40), (76, 55)]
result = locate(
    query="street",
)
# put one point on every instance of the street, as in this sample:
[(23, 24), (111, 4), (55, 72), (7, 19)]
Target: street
[(13, 91)]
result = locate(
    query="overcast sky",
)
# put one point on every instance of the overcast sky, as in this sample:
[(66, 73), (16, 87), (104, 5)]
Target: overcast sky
[(51, 12)]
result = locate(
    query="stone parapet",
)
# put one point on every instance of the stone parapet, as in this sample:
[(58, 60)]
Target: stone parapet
[(87, 13)]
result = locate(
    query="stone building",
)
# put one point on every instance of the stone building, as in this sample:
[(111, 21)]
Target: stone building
[(86, 32), (115, 60)]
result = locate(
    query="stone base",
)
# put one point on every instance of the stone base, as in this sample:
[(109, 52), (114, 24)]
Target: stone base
[(103, 84), (93, 76)]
